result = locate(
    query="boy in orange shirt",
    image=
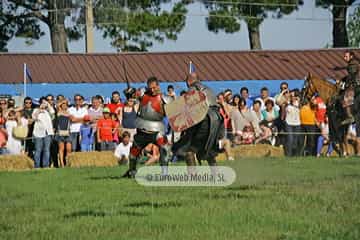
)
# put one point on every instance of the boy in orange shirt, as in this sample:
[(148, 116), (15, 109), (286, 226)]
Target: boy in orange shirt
[(106, 129)]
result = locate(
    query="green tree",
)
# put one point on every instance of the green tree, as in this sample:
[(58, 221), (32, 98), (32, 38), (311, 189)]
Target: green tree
[(353, 28), (226, 15), (338, 10), (22, 18), (136, 27)]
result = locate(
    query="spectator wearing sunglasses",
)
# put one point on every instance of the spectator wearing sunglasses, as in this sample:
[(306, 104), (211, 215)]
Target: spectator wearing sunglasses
[(77, 112), (28, 109)]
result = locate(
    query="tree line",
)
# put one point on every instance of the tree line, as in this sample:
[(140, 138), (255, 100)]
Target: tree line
[(134, 25)]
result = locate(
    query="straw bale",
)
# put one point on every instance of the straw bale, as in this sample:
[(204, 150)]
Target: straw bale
[(254, 150), (92, 159), (15, 162)]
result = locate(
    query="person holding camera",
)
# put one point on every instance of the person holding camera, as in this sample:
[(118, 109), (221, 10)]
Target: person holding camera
[(43, 132)]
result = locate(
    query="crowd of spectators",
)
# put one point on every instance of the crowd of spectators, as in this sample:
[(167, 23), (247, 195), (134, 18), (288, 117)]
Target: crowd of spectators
[(56, 128)]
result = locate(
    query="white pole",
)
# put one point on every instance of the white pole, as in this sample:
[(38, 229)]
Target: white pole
[(24, 98), (24, 80)]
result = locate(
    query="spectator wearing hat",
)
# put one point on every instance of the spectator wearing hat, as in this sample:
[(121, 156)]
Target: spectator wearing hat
[(105, 130), (86, 135), (62, 126), (77, 113)]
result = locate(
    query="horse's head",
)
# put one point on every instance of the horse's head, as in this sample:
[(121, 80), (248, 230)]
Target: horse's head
[(308, 89), (323, 87)]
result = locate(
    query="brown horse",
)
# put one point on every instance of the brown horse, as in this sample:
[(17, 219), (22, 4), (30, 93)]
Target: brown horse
[(323, 87), (329, 92)]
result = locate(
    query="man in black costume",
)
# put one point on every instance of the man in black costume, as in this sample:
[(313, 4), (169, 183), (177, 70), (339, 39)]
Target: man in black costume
[(351, 84), (201, 140)]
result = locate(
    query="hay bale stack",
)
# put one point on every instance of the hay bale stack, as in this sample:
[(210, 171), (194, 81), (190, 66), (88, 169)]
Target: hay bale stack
[(258, 150), (92, 159), (15, 162)]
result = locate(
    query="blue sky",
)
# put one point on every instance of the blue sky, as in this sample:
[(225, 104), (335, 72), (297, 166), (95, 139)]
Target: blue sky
[(290, 32)]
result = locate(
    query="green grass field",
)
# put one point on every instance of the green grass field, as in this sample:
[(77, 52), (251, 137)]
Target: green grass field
[(300, 198)]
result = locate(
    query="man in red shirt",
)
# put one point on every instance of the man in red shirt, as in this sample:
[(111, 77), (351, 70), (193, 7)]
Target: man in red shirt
[(116, 105), (106, 128)]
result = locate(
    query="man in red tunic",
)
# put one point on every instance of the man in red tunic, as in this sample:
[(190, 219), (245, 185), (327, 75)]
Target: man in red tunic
[(149, 126)]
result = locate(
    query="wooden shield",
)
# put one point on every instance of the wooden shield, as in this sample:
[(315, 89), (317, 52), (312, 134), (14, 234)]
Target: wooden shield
[(187, 110)]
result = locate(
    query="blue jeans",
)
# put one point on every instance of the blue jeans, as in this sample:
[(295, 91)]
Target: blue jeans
[(293, 141), (75, 141), (320, 144), (3, 151), (42, 147), (107, 146), (85, 147)]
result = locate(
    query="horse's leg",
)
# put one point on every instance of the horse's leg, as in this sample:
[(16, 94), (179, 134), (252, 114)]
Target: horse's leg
[(345, 145), (336, 148)]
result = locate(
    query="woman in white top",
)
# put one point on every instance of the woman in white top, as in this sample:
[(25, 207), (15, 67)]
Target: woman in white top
[(242, 116), (43, 132), (292, 127), (13, 145)]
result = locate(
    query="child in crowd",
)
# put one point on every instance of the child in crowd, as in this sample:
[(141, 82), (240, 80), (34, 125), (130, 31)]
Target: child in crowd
[(122, 151), (117, 128), (265, 134), (86, 135), (248, 135), (106, 128)]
